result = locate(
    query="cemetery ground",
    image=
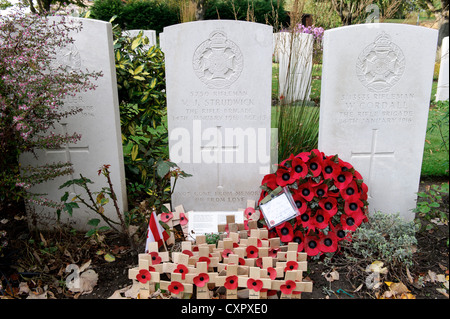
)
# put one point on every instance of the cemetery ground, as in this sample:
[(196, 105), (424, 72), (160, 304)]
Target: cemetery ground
[(34, 263)]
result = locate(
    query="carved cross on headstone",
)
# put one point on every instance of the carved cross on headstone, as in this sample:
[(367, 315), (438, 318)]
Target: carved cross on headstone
[(371, 155)]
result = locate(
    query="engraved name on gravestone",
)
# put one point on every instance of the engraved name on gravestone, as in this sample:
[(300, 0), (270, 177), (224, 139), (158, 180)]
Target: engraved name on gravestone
[(218, 76), (98, 123), (376, 88)]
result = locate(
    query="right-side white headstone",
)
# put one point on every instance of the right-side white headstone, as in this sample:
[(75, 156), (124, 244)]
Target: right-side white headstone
[(442, 86), (375, 96)]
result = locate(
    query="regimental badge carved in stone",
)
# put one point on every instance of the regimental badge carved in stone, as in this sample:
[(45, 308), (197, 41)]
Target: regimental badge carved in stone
[(67, 57), (218, 61), (381, 64)]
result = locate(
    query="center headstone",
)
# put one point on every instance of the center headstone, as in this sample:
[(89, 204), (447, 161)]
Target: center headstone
[(98, 123), (375, 96), (218, 82)]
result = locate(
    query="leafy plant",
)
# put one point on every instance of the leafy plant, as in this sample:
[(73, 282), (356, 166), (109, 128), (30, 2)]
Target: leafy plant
[(141, 84), (429, 211), (31, 99), (386, 237)]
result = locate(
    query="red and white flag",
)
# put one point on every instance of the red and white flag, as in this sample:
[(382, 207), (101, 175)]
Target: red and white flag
[(155, 232)]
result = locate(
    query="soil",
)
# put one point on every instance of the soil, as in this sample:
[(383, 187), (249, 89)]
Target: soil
[(40, 260)]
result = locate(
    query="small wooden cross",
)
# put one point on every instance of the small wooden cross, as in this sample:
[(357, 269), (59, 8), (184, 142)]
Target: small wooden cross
[(254, 283), (169, 223), (230, 281), (177, 287)]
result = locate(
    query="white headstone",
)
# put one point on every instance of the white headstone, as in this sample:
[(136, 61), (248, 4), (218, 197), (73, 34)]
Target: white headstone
[(218, 77), (295, 53), (150, 34), (375, 96), (98, 124), (442, 86)]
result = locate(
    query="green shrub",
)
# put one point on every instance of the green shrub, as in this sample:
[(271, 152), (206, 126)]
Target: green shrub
[(262, 11), (138, 14), (386, 237), (141, 86)]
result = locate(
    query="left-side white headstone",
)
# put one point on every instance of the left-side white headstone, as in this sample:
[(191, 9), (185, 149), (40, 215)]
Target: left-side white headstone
[(98, 124)]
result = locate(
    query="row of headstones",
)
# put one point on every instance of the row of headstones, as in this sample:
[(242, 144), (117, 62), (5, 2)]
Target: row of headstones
[(257, 264), (376, 85)]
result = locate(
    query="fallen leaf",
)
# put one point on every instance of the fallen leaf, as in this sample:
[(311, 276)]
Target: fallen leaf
[(109, 258), (408, 274), (432, 276), (331, 276), (85, 266), (23, 288), (377, 266), (442, 291), (440, 278)]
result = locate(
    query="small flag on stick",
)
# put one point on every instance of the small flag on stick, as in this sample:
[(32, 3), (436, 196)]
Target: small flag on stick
[(155, 232)]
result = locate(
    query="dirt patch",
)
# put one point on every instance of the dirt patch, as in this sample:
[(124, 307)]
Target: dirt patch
[(40, 260)]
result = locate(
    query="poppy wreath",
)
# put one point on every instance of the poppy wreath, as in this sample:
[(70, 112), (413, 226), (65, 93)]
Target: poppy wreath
[(331, 198)]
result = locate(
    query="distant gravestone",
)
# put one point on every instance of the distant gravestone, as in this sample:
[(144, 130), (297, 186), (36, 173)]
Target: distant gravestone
[(376, 87), (442, 86), (98, 124), (295, 52), (218, 77), (150, 34)]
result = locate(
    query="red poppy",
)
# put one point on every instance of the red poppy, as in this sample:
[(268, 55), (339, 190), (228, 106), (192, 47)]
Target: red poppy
[(342, 179), (330, 205), (150, 268), (181, 269), (176, 287), (201, 279), (204, 258), (284, 176), (345, 166), (300, 170), (353, 206), (231, 282), (248, 212), (291, 265), (330, 169), (188, 252), (299, 202), (304, 156), (165, 217), (288, 287), (241, 261), (143, 276), (306, 221), (321, 190), (285, 232), (352, 222), (311, 245), (351, 191), (273, 252), (307, 191), (364, 190), (315, 166), (272, 272), (299, 239), (328, 243), (155, 258), (226, 252), (183, 219), (254, 284), (340, 233), (321, 219), (270, 181), (252, 252)]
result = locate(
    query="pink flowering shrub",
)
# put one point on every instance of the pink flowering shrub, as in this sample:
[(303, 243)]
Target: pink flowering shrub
[(32, 91)]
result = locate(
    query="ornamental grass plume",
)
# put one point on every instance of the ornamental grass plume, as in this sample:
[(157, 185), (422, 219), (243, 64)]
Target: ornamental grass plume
[(32, 92)]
